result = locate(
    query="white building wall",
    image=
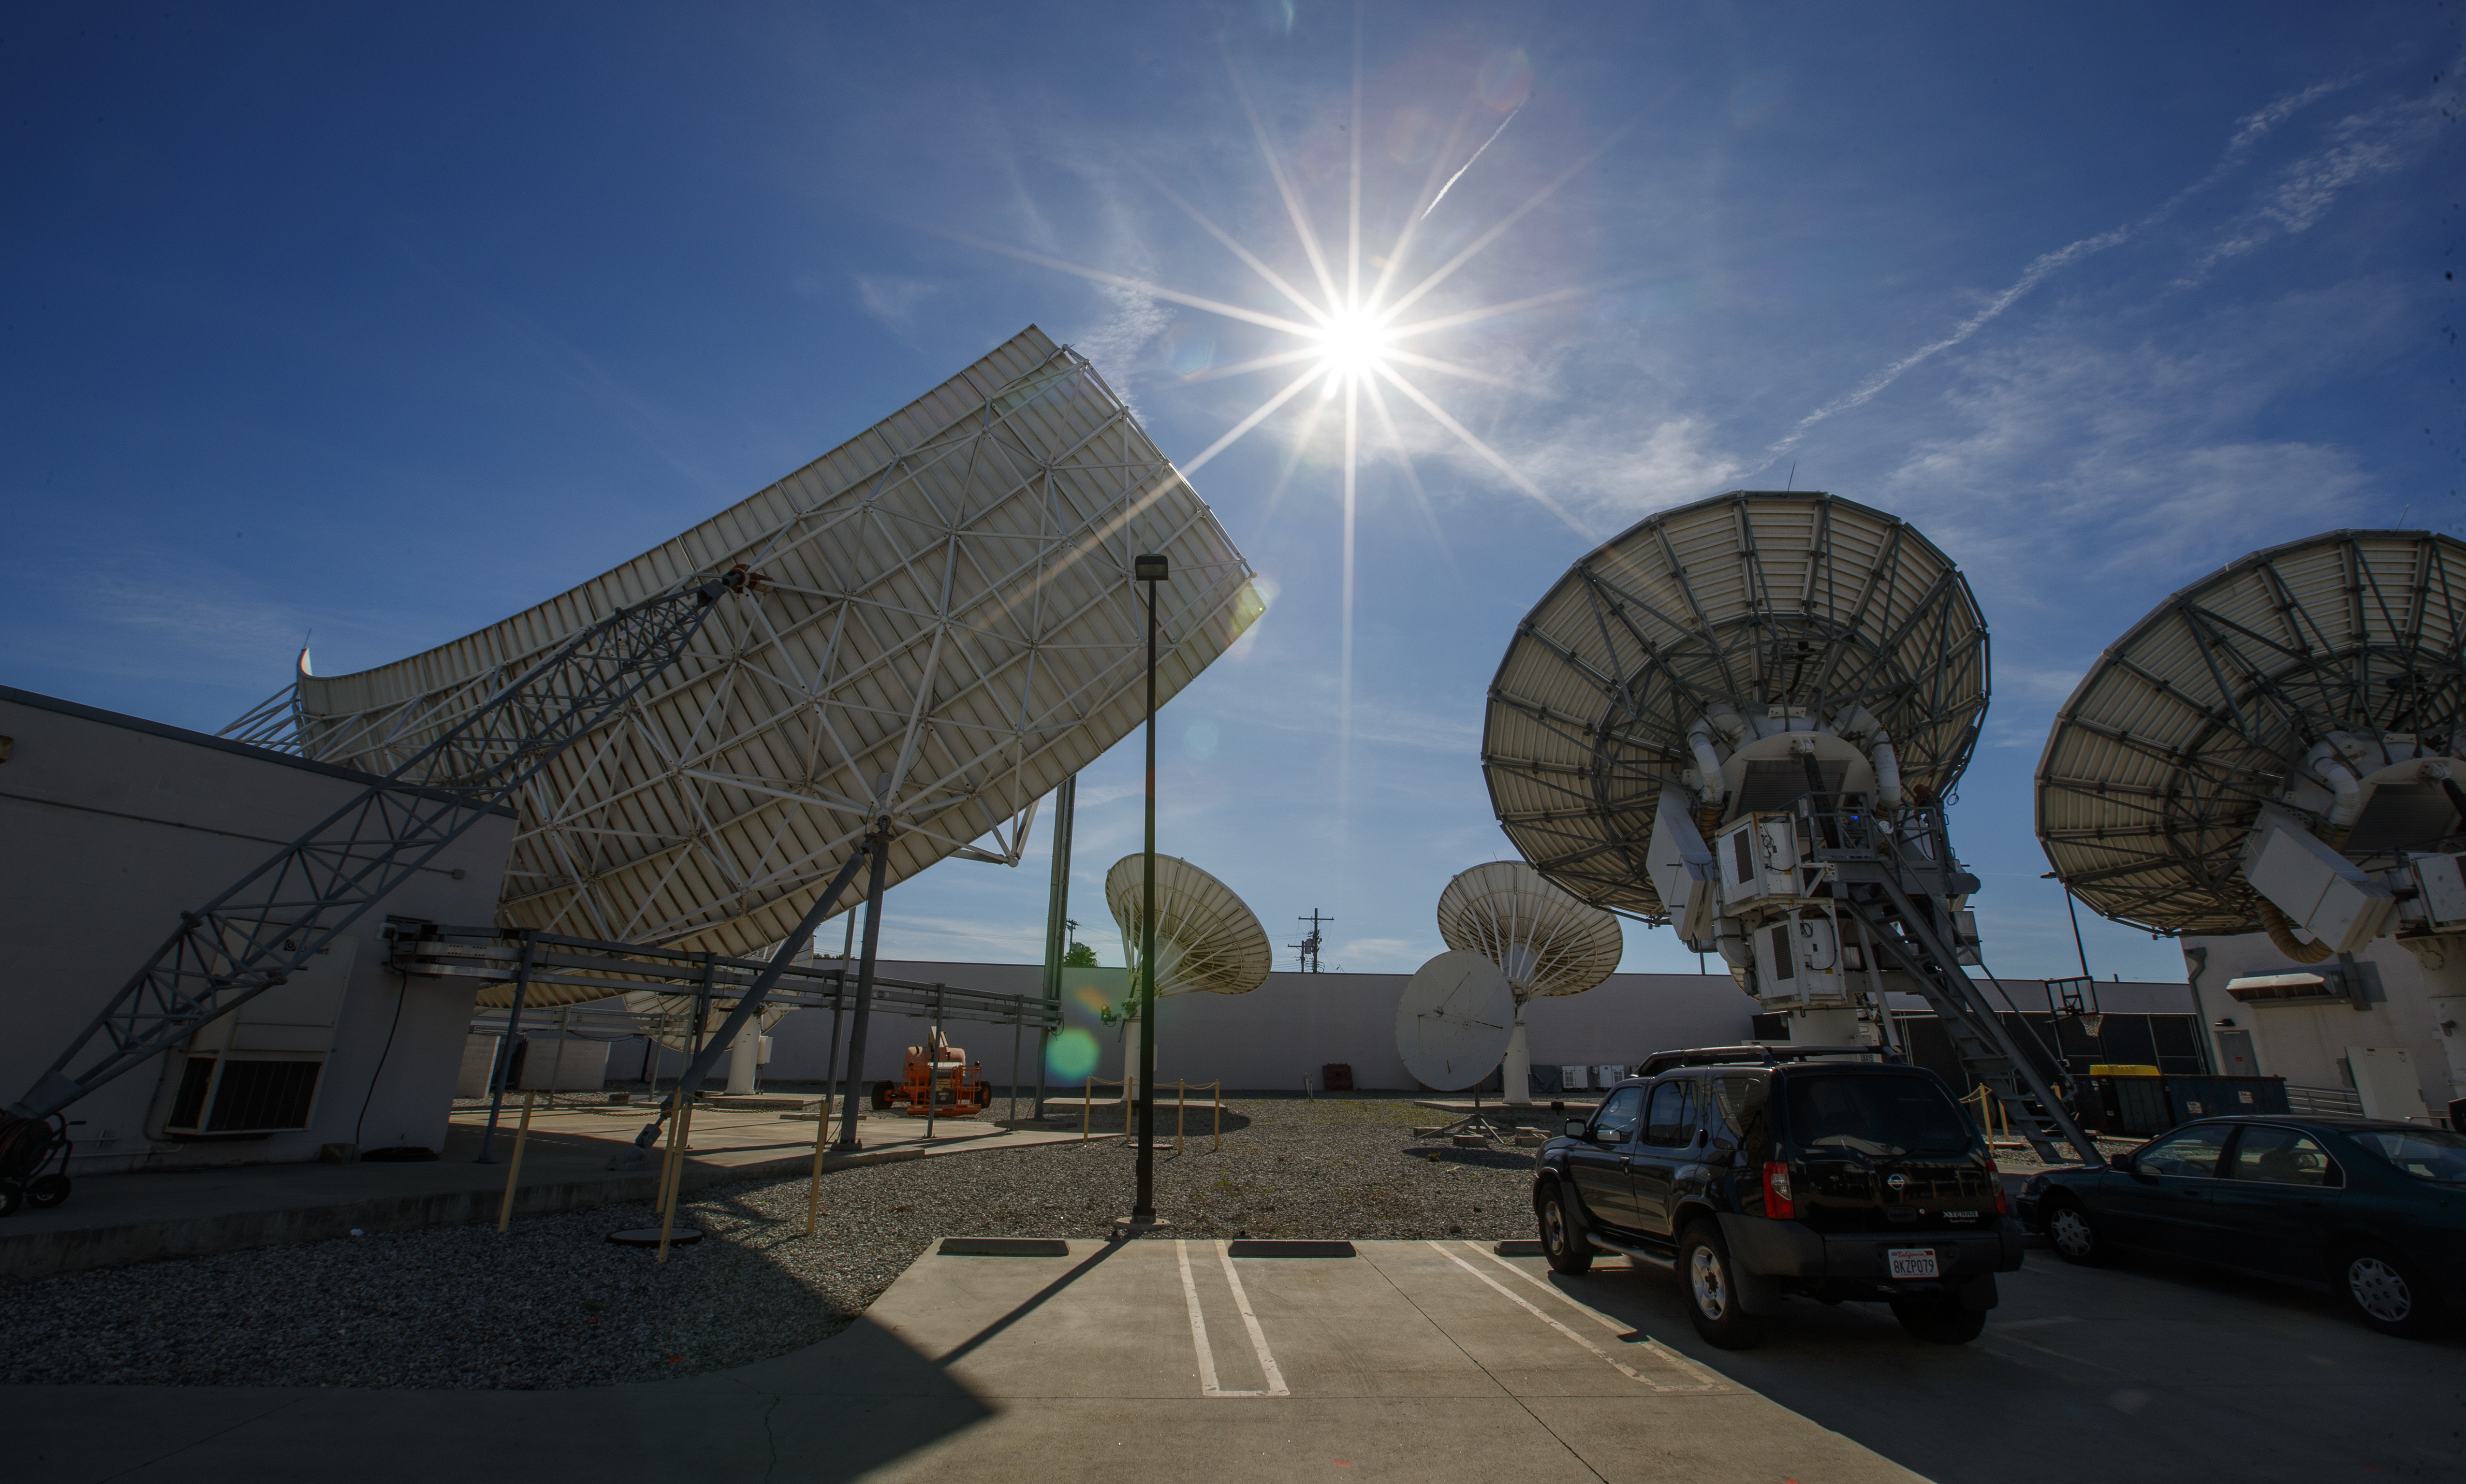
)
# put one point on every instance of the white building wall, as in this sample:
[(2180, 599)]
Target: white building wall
[(2304, 1043), (1288, 1029), (115, 825)]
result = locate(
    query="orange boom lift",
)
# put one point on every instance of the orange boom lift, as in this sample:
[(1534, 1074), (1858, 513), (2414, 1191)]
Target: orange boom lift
[(944, 1081)]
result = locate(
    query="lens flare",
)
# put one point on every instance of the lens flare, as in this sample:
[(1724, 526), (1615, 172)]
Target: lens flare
[(1072, 1055)]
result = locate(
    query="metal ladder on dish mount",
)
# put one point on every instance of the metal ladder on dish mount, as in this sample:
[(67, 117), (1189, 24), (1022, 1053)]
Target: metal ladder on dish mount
[(1897, 877)]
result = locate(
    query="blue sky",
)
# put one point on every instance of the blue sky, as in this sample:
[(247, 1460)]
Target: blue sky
[(386, 323)]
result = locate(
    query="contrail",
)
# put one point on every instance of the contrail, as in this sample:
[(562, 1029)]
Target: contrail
[(2248, 132), (1468, 165)]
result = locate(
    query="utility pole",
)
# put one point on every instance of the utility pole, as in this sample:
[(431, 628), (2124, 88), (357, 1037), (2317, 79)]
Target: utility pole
[(1310, 945)]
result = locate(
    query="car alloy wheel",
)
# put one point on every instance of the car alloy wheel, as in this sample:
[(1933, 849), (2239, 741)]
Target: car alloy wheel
[(2379, 1289), (2075, 1236), (2388, 1293)]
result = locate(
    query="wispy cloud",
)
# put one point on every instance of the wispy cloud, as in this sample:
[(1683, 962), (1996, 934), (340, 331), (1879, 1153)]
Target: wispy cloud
[(2248, 133), (892, 299)]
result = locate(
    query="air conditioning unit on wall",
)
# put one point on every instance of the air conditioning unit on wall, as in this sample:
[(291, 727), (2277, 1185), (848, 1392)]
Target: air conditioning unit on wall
[(258, 1069)]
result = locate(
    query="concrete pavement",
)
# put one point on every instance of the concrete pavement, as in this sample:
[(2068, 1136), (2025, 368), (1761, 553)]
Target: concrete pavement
[(1413, 1360)]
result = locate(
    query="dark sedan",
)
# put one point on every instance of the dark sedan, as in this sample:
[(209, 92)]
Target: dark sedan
[(2373, 1211)]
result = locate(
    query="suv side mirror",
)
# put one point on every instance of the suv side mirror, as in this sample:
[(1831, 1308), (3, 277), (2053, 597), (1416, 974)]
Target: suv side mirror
[(1575, 1128), (2121, 1162)]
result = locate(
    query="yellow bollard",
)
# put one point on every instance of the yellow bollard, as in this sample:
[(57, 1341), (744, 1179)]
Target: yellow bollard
[(668, 1220), (514, 1171)]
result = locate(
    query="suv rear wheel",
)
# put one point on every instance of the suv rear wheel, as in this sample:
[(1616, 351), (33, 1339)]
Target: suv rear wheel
[(1562, 1236), (1708, 1279)]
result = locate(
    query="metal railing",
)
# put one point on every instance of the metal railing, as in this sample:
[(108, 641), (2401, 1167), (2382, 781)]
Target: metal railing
[(2333, 1100)]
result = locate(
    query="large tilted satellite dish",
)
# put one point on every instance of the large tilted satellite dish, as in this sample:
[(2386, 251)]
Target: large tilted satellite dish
[(1546, 941), (1207, 939), (2280, 747), (2316, 678), (1744, 618), (1453, 1021), (1743, 718), (944, 627)]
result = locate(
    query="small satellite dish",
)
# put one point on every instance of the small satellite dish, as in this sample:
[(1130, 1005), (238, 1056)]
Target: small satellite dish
[(1454, 1022), (1207, 939), (1547, 942)]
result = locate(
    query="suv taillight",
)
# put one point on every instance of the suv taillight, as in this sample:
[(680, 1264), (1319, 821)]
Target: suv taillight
[(1777, 1203), (2003, 1202)]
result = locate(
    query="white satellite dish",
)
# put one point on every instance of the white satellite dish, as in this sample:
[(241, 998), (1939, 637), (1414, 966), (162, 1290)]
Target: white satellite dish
[(1758, 623), (1547, 943), (1208, 940), (944, 628), (1454, 1022), (2279, 748)]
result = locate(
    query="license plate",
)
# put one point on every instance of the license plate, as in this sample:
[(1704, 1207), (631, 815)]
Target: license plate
[(1912, 1262)]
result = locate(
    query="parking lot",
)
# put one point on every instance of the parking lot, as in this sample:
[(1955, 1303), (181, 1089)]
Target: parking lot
[(1409, 1361)]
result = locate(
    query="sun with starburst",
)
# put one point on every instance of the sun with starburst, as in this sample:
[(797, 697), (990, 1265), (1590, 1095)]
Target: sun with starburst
[(1357, 342)]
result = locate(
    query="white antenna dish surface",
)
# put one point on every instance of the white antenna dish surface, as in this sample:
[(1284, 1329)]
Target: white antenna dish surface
[(1748, 600), (1545, 941), (1207, 939), (2333, 656), (1454, 1022), (945, 628)]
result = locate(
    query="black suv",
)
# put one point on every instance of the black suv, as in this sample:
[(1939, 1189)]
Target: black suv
[(1831, 1180)]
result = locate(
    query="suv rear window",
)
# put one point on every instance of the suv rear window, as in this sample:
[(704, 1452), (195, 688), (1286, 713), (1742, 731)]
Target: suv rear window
[(1875, 1116)]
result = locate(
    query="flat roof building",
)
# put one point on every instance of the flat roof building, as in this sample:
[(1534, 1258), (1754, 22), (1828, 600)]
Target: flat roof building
[(113, 827)]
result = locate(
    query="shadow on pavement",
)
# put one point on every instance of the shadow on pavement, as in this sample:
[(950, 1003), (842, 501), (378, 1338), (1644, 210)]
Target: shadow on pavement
[(2144, 1372)]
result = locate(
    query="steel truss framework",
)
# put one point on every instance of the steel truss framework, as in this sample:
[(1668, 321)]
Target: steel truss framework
[(1895, 878), (607, 969), (258, 932), (1749, 600), (2159, 764), (944, 628)]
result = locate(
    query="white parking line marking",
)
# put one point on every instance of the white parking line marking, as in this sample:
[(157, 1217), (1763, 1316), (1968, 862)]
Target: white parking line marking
[(1197, 1325), (1207, 1383), (1258, 1336), (1677, 1362), (1613, 1362)]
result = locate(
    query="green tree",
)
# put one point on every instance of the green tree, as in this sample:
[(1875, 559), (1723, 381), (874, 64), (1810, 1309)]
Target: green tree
[(1079, 956)]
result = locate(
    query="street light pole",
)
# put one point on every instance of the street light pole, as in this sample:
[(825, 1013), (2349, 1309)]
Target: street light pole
[(1150, 569)]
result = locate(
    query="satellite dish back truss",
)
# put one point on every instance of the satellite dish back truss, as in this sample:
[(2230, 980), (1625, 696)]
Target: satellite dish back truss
[(943, 626)]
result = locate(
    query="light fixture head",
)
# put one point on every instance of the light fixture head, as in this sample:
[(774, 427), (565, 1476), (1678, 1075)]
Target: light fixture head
[(1150, 567)]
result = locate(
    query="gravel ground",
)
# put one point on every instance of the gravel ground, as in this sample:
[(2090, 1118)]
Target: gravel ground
[(553, 1305)]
